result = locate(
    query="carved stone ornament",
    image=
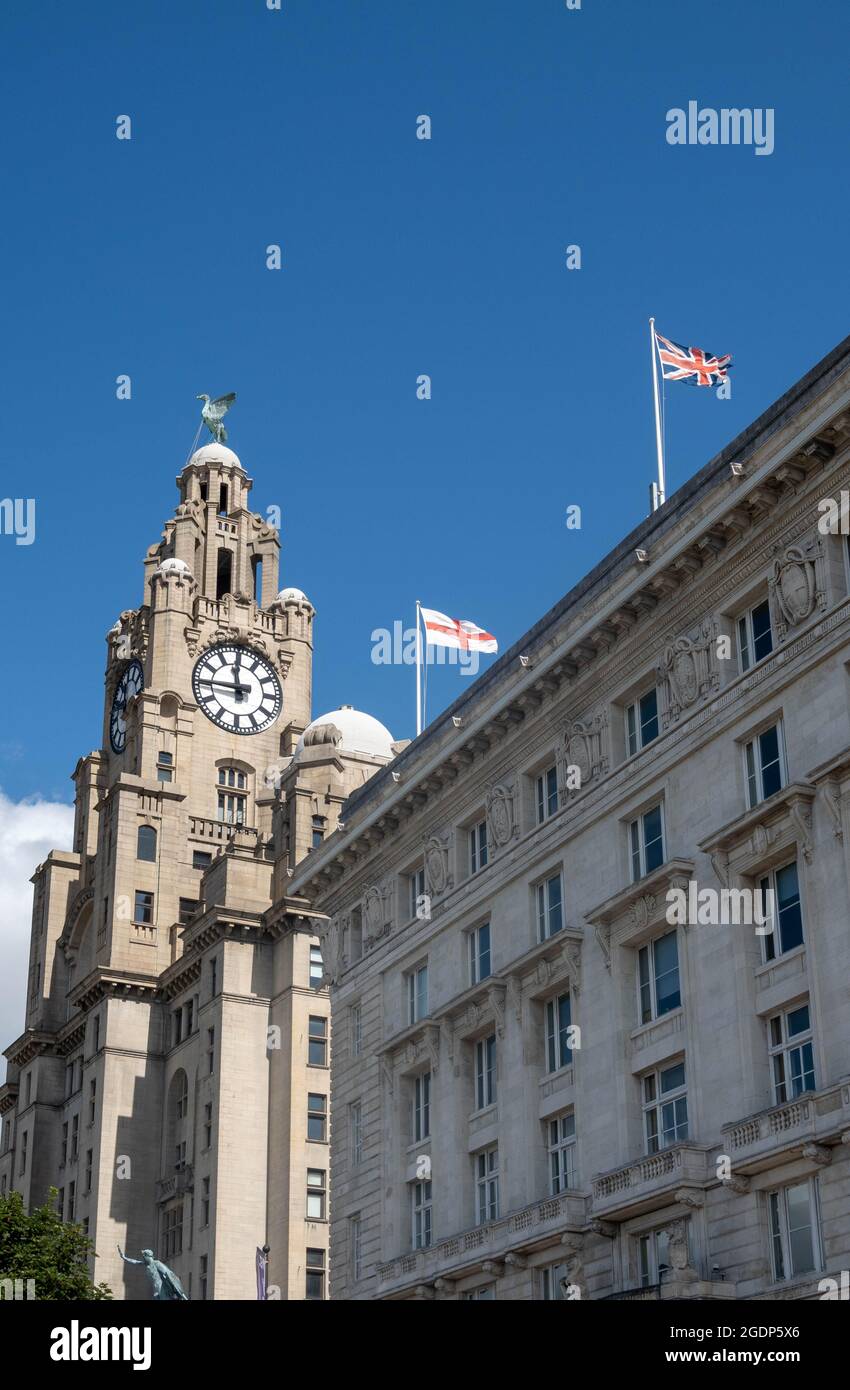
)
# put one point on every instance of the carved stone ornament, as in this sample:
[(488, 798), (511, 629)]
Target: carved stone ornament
[(572, 960), (603, 941), (720, 865), (760, 840), (688, 672), (582, 753), (642, 910), (794, 585), (437, 865), (500, 813), (373, 910), (802, 818), (333, 936)]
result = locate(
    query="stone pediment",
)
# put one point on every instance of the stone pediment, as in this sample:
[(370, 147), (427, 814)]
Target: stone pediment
[(635, 913), (752, 840)]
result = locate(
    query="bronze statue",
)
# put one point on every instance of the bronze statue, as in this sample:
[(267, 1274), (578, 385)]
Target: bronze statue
[(166, 1285), (213, 415)]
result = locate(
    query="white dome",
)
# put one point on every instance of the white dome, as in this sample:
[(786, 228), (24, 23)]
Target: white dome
[(361, 733), (173, 566), (215, 453), (292, 596)]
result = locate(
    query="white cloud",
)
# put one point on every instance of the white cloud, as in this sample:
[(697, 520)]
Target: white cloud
[(29, 829)]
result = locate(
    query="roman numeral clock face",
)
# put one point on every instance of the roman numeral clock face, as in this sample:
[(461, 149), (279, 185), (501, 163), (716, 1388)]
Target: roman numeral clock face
[(131, 682), (237, 689)]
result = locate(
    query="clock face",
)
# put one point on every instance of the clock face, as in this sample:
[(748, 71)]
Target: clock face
[(131, 682), (237, 689)]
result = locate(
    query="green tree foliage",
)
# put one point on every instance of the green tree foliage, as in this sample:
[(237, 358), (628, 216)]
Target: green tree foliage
[(43, 1247)]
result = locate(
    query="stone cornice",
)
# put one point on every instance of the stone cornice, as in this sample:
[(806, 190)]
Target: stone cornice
[(775, 808), (8, 1096), (30, 1044), (613, 910), (610, 670), (105, 981), (741, 503)]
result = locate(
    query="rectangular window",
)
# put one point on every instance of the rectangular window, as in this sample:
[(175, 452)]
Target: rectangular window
[(186, 909), (416, 885), (479, 953), (791, 1055), (562, 1152), (205, 1202), (316, 1194), (143, 912), (550, 916), (317, 968), (64, 1158), (96, 1033), (487, 1185), (203, 1276), (355, 1246), (546, 789), (764, 762), (89, 1165), (208, 1125), (795, 1229), (355, 1128), (317, 1117), (784, 928), (177, 1026), (417, 994), (356, 1019), (478, 847), (755, 639), (214, 977), (75, 1138), (201, 859), (165, 767), (665, 1107), (180, 1156), (232, 799), (92, 1101), (210, 1051), (485, 1072), (317, 1046), (653, 1252), (552, 1280), (485, 1293), (646, 843), (422, 1231), (642, 722), (317, 833), (315, 1286), (658, 977), (72, 1201), (558, 1022), (422, 1107)]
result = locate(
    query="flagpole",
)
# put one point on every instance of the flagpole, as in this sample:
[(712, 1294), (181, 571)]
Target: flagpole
[(659, 497), (418, 672)]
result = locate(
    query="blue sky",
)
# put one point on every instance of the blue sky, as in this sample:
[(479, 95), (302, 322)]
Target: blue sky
[(400, 257)]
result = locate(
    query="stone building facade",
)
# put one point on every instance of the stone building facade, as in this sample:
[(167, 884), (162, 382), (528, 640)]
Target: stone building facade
[(172, 1079), (588, 938)]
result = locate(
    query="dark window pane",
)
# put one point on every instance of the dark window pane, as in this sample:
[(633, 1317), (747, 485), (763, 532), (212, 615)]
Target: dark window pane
[(762, 637)]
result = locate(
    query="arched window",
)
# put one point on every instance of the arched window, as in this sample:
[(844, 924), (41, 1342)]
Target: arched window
[(146, 843), (232, 795)]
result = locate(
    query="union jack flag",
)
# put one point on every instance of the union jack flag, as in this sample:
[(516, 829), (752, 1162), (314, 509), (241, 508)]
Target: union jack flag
[(694, 364)]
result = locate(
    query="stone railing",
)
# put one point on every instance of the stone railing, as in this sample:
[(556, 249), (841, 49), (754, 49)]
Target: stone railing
[(682, 1165), (219, 831), (181, 1181), (812, 1117), (449, 1258)]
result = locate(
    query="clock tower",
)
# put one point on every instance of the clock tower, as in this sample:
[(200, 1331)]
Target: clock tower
[(172, 1080)]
